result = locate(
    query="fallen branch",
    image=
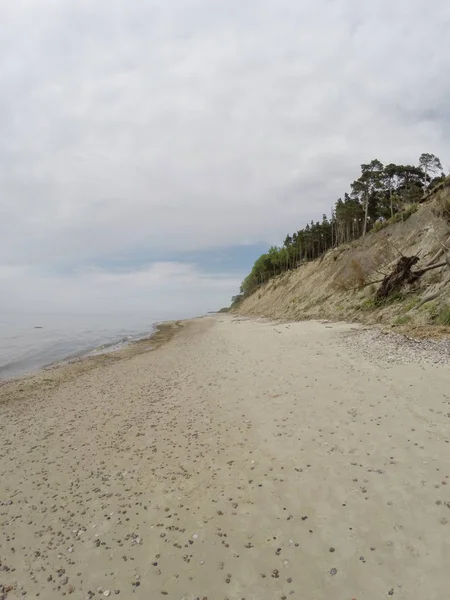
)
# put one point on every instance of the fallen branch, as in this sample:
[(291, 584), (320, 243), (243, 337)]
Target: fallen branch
[(395, 247), (439, 253), (429, 268), (360, 287), (427, 299), (380, 272)]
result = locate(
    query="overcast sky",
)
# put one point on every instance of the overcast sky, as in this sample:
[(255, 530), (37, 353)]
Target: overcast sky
[(150, 151)]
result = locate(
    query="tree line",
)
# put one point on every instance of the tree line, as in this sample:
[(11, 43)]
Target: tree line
[(379, 194)]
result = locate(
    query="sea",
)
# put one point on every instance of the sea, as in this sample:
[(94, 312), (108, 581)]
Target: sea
[(29, 342)]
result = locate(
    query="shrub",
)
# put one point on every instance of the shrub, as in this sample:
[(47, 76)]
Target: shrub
[(358, 274), (443, 318), (355, 277), (408, 210), (400, 217), (368, 304), (379, 225), (402, 320), (442, 206)]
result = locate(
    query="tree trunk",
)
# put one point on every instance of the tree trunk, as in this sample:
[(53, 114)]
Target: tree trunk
[(425, 180), (366, 213)]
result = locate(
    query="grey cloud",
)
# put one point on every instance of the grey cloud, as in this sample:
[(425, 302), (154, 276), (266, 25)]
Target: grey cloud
[(180, 289), (187, 124)]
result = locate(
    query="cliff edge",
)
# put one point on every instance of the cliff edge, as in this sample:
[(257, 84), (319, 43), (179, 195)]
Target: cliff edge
[(344, 283)]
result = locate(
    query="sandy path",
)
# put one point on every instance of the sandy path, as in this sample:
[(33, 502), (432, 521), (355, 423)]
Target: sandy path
[(240, 460)]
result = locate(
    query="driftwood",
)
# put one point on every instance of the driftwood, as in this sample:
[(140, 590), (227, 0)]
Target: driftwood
[(427, 299), (439, 253), (430, 267), (400, 275)]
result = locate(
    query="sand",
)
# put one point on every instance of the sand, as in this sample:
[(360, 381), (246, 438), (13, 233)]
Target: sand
[(240, 459)]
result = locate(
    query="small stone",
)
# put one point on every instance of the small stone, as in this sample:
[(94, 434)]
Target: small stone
[(333, 571), (332, 549), (107, 593)]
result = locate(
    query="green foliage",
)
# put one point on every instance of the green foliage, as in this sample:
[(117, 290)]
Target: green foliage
[(380, 196), (429, 164), (443, 317), (442, 208), (402, 320), (368, 304), (398, 296), (411, 304), (379, 225), (404, 215), (236, 300), (399, 217)]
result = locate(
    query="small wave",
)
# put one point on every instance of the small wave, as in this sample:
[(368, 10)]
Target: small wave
[(31, 355)]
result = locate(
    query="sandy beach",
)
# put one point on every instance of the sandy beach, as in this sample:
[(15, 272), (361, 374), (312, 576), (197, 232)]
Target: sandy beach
[(237, 459)]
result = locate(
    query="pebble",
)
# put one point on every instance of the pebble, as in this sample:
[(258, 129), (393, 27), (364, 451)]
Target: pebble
[(393, 348)]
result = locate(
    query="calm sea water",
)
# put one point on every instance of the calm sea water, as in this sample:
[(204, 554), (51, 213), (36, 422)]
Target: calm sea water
[(29, 342)]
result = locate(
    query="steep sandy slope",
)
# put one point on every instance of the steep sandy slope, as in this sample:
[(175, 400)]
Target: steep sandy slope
[(337, 286)]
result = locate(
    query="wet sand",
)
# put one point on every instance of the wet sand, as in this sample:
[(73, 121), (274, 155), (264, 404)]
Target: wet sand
[(239, 459)]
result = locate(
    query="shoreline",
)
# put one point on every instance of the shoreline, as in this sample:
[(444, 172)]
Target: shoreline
[(76, 366), (436, 336)]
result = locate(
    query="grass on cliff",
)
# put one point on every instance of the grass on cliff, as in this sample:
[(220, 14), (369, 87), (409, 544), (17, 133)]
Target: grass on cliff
[(443, 317), (400, 217)]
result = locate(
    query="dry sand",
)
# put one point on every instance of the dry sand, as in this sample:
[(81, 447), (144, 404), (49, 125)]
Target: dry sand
[(242, 459)]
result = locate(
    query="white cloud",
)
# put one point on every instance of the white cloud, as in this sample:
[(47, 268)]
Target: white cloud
[(161, 289), (133, 128)]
